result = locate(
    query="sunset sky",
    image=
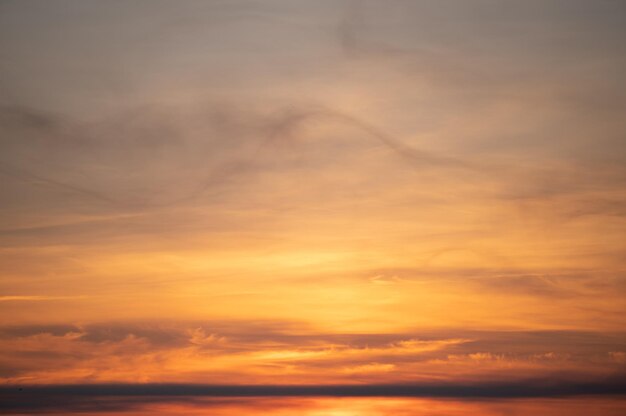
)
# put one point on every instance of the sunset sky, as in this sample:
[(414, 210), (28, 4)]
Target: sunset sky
[(270, 206)]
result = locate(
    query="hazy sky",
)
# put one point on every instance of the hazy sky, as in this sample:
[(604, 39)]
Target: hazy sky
[(314, 192)]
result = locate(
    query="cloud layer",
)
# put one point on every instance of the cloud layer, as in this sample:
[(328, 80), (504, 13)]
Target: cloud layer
[(409, 198)]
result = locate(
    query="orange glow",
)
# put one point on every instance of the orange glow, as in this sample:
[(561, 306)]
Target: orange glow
[(301, 193)]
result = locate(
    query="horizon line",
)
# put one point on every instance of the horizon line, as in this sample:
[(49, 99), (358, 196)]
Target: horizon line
[(519, 389)]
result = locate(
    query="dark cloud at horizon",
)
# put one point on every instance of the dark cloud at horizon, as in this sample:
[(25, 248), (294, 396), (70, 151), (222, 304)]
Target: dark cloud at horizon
[(121, 397)]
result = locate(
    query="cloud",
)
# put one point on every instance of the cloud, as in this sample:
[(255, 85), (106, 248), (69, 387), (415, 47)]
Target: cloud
[(269, 351), (433, 192), (124, 397), (123, 161), (152, 148), (32, 298)]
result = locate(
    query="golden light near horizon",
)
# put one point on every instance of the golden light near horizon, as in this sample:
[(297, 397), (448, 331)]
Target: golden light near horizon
[(419, 203)]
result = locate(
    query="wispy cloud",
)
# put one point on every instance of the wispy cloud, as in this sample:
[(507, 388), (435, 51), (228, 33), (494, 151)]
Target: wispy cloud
[(29, 298)]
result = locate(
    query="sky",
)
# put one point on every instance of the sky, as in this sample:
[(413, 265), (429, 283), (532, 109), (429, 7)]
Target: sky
[(341, 207)]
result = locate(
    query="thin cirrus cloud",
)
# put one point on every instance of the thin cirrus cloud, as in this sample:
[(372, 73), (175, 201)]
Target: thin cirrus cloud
[(17, 298)]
